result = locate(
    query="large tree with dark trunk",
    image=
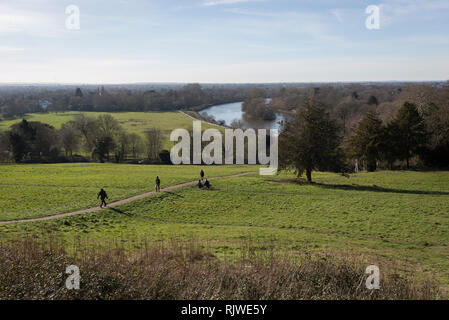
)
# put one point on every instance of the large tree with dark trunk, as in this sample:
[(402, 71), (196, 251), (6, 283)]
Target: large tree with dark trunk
[(311, 141)]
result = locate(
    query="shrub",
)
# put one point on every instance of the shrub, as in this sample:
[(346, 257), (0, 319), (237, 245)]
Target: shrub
[(32, 270)]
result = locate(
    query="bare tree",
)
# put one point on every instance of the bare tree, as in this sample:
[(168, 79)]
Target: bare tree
[(122, 146), (70, 139), (237, 124), (154, 143), (87, 127), (108, 125), (135, 144)]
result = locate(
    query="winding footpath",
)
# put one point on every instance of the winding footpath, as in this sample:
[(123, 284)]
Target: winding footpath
[(204, 121), (118, 203)]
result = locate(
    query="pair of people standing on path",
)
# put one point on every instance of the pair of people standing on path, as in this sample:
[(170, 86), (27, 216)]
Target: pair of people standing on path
[(200, 183)]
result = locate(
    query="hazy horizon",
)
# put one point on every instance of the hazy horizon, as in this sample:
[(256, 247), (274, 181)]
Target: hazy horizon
[(212, 83)]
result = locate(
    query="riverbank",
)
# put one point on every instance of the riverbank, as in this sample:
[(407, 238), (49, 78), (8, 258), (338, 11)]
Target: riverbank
[(196, 116), (209, 105)]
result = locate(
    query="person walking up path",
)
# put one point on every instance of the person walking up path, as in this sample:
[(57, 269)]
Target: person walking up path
[(102, 194), (158, 184)]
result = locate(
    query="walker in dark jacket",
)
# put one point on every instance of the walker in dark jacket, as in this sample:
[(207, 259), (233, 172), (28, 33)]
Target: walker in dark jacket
[(102, 194)]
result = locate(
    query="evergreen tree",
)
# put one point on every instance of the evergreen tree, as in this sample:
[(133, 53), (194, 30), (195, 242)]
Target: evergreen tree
[(311, 141), (373, 100), (78, 93), (366, 142), (390, 143), (103, 146), (410, 132)]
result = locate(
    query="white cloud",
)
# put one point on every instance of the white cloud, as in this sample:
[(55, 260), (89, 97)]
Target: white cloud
[(6, 49), (209, 3), (408, 7), (251, 13), (14, 20), (337, 15), (300, 26), (429, 40)]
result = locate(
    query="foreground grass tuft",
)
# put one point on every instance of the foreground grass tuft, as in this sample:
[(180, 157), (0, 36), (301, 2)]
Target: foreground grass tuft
[(32, 270)]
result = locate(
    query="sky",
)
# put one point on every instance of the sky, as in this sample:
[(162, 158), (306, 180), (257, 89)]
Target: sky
[(222, 41)]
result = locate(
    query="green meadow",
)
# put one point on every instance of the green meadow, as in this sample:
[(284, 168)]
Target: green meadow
[(394, 219), (36, 190), (132, 122)]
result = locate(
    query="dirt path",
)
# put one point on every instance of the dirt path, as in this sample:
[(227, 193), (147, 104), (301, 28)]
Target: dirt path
[(118, 203), (209, 123)]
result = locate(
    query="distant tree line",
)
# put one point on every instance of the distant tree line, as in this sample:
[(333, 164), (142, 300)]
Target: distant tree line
[(20, 101), (348, 103), (83, 139), (339, 127)]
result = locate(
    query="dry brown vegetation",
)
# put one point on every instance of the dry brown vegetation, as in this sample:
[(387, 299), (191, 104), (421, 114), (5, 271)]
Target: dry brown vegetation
[(32, 270)]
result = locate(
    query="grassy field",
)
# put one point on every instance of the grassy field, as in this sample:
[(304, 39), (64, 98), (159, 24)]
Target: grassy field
[(132, 122), (393, 219), (29, 191)]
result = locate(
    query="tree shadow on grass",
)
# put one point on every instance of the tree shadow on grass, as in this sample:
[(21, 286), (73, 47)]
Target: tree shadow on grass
[(120, 211), (167, 194), (355, 187), (375, 188), (163, 195)]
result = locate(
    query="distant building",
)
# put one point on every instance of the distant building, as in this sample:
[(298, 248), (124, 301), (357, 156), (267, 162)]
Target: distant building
[(44, 104)]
